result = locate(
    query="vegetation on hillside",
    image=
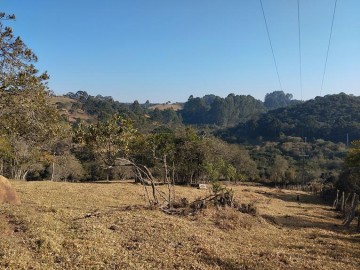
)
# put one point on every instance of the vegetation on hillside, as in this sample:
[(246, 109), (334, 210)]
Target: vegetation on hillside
[(278, 99), (219, 111), (330, 118)]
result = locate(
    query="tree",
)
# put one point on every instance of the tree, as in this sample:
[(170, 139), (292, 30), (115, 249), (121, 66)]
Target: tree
[(68, 168), (277, 99), (278, 170), (108, 140), (349, 179), (27, 120), (189, 157), (15, 56)]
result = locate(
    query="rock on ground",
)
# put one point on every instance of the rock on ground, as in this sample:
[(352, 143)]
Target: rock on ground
[(7, 192)]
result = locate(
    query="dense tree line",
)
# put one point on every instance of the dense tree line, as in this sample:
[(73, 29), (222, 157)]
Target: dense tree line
[(332, 118), (219, 111), (278, 99)]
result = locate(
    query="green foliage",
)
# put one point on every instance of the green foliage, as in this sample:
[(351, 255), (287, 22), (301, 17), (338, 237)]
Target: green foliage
[(329, 118), (225, 112), (279, 99), (217, 187), (27, 120), (349, 179), (283, 162), (107, 140), (353, 157)]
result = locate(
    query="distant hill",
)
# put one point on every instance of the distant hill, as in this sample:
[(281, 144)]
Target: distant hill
[(242, 118), (70, 109), (330, 118), (81, 106)]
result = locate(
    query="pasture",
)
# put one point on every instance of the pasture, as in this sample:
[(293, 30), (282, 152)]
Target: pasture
[(108, 226)]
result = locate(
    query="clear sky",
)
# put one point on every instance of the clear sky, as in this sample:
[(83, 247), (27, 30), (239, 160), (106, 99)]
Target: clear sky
[(167, 50)]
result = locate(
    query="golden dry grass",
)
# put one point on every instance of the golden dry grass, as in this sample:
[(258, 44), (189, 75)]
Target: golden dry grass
[(105, 226), (161, 107), (67, 102)]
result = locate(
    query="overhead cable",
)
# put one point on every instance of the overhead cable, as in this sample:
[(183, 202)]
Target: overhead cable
[(328, 48), (271, 46)]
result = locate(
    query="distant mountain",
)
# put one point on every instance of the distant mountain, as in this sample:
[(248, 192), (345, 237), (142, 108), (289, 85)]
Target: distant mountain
[(332, 117)]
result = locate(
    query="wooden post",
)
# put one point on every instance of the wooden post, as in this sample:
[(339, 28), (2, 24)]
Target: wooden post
[(351, 215), (342, 208)]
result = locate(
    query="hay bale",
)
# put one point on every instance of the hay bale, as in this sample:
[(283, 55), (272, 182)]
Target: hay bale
[(7, 192)]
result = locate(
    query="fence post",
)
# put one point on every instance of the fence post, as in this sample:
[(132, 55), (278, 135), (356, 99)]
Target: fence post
[(351, 214)]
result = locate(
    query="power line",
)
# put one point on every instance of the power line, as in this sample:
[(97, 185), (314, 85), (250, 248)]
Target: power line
[(327, 53), (272, 49), (300, 60)]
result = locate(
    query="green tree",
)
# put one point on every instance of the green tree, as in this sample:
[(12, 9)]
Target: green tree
[(349, 179), (278, 169), (108, 140), (27, 120)]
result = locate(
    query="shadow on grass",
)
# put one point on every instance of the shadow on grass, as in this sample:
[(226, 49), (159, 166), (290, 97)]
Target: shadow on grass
[(111, 182), (301, 222), (224, 263), (353, 239), (296, 198)]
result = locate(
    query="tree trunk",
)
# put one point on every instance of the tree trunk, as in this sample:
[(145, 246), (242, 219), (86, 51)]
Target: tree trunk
[(108, 174), (167, 181), (336, 200), (23, 177), (53, 170), (18, 175), (1, 166), (342, 202)]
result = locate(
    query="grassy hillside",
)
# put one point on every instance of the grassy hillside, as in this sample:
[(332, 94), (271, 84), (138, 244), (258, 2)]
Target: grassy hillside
[(69, 108), (106, 226), (175, 106)]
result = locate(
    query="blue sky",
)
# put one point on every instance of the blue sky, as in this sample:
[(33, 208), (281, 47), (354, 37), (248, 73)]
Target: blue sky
[(167, 50)]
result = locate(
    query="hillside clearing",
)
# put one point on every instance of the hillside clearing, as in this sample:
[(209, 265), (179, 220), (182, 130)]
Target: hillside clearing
[(106, 226), (174, 106)]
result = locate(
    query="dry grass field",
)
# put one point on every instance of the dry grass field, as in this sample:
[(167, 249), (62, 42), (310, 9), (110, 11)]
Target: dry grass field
[(106, 226), (174, 106), (72, 116)]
